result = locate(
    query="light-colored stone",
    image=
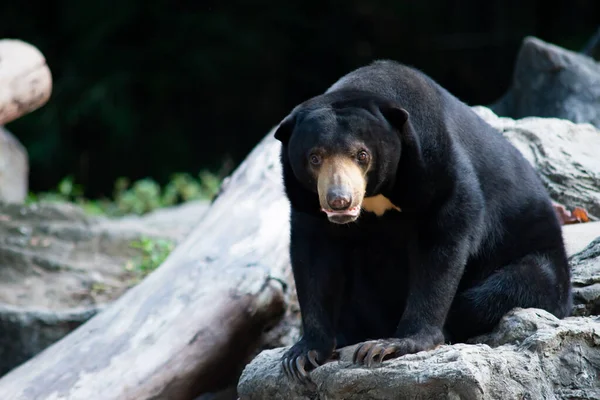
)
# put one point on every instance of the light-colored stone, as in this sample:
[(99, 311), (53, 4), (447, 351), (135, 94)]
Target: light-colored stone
[(531, 355), (578, 236), (14, 168), (566, 156), (585, 269)]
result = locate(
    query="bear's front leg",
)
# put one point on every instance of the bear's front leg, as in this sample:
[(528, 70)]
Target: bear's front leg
[(317, 262), (437, 258)]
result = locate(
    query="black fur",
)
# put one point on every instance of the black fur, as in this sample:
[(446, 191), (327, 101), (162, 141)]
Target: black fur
[(477, 235)]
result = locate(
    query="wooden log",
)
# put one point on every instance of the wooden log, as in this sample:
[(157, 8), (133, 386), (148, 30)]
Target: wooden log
[(25, 79), (191, 325)]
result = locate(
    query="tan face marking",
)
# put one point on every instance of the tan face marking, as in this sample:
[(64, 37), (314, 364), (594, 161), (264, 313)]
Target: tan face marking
[(341, 171), (378, 204)]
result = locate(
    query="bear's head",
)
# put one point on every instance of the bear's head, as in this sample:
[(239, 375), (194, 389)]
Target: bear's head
[(344, 147)]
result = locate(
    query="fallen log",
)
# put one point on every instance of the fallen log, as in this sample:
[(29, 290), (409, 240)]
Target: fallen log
[(192, 324), (25, 79)]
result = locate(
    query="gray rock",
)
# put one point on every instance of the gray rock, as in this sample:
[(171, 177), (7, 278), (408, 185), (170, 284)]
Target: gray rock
[(14, 168), (585, 267), (549, 81), (175, 222), (531, 355), (26, 331), (565, 155), (59, 267), (583, 247)]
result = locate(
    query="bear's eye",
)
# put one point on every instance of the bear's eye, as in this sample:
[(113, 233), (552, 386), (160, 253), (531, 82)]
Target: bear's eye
[(315, 159), (362, 156)]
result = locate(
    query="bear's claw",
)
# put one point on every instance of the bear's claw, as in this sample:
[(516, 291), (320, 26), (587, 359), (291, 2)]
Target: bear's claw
[(374, 352)]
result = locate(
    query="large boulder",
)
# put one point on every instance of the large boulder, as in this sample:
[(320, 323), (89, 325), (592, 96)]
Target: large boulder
[(565, 155), (59, 267), (14, 168), (549, 81)]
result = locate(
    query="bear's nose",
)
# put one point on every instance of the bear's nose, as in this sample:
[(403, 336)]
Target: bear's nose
[(338, 200)]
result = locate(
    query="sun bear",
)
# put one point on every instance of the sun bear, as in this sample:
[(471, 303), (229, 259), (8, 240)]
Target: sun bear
[(413, 222)]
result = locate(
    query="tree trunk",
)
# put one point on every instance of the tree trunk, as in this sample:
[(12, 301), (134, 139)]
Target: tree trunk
[(25, 79), (191, 325)]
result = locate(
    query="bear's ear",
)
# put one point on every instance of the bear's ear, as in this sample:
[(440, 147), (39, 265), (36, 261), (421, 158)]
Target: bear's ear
[(285, 129), (396, 115)]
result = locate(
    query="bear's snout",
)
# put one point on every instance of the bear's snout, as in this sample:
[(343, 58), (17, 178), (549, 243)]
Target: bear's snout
[(340, 184)]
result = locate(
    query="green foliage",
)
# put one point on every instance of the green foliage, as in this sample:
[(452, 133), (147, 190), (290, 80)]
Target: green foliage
[(154, 252), (68, 191), (139, 197), (143, 196)]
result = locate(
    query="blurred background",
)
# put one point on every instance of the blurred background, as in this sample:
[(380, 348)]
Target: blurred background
[(147, 89)]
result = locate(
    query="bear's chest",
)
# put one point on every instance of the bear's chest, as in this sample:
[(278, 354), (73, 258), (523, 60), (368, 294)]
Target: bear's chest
[(376, 248), (375, 286), (378, 256), (383, 256)]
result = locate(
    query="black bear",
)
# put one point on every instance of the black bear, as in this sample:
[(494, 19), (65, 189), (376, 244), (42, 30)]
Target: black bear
[(413, 221)]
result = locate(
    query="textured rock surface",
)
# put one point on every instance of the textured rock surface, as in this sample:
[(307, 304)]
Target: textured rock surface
[(531, 355), (14, 168), (586, 280), (59, 267), (549, 81), (583, 248), (564, 153)]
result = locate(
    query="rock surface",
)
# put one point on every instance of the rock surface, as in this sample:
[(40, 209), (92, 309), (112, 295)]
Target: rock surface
[(549, 81), (586, 280), (14, 168), (565, 155), (59, 267), (531, 355)]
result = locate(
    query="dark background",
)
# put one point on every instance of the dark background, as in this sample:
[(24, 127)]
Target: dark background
[(149, 88)]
